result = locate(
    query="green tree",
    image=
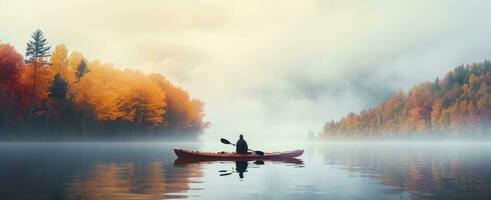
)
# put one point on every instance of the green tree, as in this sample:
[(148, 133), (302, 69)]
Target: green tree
[(36, 52), (56, 92), (58, 89), (82, 69)]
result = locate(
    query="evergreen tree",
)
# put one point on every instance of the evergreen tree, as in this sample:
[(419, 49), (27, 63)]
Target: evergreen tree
[(58, 89), (82, 69), (37, 49), (57, 92)]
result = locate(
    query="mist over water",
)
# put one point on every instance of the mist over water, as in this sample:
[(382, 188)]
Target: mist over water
[(96, 105), (335, 170)]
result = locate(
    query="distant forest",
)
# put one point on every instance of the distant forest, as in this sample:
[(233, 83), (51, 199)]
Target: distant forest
[(460, 103), (57, 93)]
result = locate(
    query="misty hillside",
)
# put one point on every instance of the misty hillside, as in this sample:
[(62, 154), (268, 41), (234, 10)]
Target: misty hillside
[(459, 103)]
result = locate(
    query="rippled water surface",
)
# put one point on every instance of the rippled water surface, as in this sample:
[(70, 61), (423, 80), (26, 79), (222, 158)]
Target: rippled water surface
[(325, 171)]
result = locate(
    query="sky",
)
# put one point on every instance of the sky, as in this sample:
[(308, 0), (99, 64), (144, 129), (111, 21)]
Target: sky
[(267, 69)]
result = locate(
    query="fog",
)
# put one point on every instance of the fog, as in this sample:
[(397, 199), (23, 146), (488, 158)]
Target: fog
[(269, 70)]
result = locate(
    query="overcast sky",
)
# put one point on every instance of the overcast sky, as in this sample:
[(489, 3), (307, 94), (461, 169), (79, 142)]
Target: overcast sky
[(267, 68)]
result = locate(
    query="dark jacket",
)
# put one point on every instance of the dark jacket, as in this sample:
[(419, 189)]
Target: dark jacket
[(241, 146)]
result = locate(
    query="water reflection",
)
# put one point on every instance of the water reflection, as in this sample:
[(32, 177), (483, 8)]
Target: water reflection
[(130, 181), (240, 165), (427, 171), (92, 171), (327, 171)]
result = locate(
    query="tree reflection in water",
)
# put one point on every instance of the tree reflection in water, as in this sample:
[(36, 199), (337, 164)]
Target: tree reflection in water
[(444, 171), (128, 181), (150, 171)]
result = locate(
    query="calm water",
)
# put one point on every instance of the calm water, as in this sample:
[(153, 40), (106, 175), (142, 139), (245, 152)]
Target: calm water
[(325, 171)]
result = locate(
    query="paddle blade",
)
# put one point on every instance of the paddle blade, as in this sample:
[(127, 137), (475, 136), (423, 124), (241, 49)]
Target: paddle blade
[(259, 153), (225, 141), (226, 174)]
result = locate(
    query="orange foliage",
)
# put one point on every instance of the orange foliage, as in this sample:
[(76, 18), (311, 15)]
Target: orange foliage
[(59, 62), (106, 96), (10, 71), (10, 64), (461, 101), (182, 111)]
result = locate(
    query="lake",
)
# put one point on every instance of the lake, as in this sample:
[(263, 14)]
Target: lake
[(325, 171)]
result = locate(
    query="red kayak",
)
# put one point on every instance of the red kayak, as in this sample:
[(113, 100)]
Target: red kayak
[(234, 156)]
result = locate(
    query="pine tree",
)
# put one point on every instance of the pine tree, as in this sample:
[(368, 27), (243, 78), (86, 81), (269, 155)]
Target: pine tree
[(58, 89), (57, 92), (37, 49), (82, 69)]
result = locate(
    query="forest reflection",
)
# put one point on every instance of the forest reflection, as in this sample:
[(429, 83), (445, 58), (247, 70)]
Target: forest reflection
[(152, 171), (130, 181), (426, 171)]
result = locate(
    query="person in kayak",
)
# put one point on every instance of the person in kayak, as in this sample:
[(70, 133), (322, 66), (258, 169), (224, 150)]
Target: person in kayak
[(241, 146)]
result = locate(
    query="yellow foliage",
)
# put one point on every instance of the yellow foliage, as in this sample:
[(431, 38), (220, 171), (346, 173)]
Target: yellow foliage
[(59, 61)]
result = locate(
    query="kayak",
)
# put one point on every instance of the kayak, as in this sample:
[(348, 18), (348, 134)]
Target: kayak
[(185, 161), (234, 156)]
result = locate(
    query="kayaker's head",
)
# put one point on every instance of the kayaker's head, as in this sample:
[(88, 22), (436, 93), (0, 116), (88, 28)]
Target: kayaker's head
[(241, 136)]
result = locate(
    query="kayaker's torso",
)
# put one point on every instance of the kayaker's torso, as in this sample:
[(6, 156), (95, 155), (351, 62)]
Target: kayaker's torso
[(241, 146)]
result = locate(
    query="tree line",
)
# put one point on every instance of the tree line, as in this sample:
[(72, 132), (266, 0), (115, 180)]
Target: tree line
[(459, 103), (54, 92)]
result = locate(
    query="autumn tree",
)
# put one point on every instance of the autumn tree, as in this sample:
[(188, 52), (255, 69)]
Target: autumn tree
[(10, 71), (460, 101), (74, 60), (59, 61), (182, 112), (143, 102), (84, 88), (10, 64), (87, 95)]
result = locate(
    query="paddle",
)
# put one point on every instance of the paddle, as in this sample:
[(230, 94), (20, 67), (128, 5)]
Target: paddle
[(225, 141)]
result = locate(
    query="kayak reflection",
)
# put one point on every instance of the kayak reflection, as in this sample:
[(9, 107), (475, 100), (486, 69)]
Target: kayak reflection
[(240, 165)]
